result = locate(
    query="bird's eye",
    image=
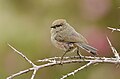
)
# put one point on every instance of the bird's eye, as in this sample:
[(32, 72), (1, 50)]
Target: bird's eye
[(59, 25), (56, 26)]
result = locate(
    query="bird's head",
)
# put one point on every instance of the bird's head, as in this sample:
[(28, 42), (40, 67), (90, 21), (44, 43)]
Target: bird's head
[(59, 25)]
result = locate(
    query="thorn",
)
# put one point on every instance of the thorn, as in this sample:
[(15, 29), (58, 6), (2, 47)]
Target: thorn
[(73, 73), (118, 65), (96, 64)]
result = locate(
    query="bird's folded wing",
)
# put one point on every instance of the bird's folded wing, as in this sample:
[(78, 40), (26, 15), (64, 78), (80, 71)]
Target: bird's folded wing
[(71, 37)]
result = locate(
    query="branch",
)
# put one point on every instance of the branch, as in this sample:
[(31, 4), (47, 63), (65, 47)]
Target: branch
[(75, 71), (100, 60), (113, 50), (29, 61), (73, 59), (113, 29), (66, 60)]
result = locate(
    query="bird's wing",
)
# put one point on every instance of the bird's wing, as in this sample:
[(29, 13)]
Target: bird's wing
[(72, 36)]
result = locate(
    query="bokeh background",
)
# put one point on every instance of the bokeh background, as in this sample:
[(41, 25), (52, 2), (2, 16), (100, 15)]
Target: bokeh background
[(25, 24)]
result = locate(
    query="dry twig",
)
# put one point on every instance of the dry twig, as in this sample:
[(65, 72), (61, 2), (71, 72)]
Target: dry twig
[(56, 61), (113, 29)]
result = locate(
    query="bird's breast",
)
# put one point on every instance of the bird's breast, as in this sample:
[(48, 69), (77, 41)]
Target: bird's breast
[(61, 45)]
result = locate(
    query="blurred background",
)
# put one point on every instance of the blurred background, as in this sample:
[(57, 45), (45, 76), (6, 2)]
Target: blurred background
[(25, 24)]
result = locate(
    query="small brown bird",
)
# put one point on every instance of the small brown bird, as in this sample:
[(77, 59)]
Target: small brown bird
[(64, 37)]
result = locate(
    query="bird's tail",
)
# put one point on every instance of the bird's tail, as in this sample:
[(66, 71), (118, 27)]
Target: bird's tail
[(88, 48)]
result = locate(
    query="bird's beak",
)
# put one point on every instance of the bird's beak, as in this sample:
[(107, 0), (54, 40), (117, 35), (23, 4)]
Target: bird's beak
[(52, 27)]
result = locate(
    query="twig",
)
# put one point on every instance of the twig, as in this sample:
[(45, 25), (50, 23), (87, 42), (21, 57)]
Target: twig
[(75, 71), (105, 60), (113, 29), (114, 50), (73, 59), (19, 73), (33, 75), (29, 61), (54, 59)]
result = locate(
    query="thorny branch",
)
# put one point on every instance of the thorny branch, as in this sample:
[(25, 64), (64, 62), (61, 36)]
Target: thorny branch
[(67, 60), (75, 71)]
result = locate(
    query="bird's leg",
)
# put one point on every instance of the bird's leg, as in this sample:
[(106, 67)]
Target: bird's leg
[(79, 53), (63, 56)]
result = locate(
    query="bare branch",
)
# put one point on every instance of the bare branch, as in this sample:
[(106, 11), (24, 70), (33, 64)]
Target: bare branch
[(75, 71), (33, 75), (19, 73), (113, 29), (97, 60), (54, 59), (29, 61), (66, 60), (113, 50)]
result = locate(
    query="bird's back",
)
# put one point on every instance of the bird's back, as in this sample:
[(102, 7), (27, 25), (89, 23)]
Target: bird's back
[(70, 35)]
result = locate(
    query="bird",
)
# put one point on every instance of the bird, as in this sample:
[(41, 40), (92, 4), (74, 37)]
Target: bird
[(66, 38)]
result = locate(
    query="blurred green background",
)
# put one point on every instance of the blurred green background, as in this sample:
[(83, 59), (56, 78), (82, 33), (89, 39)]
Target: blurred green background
[(25, 24)]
